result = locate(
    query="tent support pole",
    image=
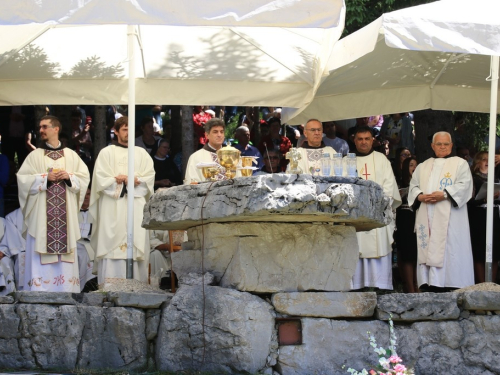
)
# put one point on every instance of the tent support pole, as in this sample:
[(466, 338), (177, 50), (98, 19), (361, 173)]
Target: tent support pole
[(491, 166), (131, 35)]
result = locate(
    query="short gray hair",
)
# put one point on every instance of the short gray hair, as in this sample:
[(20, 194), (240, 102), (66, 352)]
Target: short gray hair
[(441, 133)]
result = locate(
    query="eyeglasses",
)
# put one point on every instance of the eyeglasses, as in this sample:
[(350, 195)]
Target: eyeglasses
[(405, 155), (314, 130), (45, 127), (439, 144)]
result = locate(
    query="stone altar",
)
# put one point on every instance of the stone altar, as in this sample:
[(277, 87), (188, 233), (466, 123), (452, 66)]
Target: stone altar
[(271, 233)]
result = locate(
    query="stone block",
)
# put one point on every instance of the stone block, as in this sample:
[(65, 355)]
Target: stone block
[(152, 322), (272, 257), (326, 305), (94, 298), (418, 307), (482, 343), (330, 344), (46, 298), (143, 301), (113, 338), (271, 198), (50, 334), (6, 300), (196, 279), (481, 300), (10, 321), (236, 335)]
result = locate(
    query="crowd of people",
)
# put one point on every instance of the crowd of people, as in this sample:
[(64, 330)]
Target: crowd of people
[(69, 233)]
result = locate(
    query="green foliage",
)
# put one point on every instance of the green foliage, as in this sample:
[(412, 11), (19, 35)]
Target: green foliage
[(476, 128)]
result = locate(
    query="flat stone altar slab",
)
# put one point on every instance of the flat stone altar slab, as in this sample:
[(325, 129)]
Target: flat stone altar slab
[(271, 198), (272, 257)]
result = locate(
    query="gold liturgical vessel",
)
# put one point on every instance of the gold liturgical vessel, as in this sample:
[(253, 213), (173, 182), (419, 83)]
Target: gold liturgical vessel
[(229, 157), (209, 173), (247, 167)]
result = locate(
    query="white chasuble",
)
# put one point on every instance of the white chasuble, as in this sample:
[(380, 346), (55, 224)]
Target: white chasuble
[(310, 161), (374, 268), (50, 214), (108, 208), (446, 260)]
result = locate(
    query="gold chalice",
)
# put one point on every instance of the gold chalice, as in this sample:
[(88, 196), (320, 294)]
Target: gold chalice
[(247, 171), (229, 157), (247, 161), (209, 173)]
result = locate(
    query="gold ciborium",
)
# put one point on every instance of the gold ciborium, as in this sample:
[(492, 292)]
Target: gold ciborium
[(229, 157)]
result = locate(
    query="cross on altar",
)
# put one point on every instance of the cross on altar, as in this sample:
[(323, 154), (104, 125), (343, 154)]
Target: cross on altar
[(366, 174)]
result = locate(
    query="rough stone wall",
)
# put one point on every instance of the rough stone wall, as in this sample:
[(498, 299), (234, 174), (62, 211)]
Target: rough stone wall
[(449, 333)]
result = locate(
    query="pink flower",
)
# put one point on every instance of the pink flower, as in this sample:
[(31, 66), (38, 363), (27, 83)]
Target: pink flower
[(372, 372), (395, 359), (400, 368)]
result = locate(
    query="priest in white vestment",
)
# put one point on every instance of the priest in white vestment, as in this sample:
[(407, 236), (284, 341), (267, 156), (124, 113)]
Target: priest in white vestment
[(374, 268), (108, 208), (52, 184), (7, 283), (313, 149), (214, 131), (440, 188), (13, 245)]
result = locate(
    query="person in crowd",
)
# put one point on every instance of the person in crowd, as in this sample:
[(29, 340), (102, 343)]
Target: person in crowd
[(7, 283), (148, 138), (374, 268), (4, 179), (108, 208), (13, 245), (271, 163), (242, 135), (330, 138), (200, 118), (463, 152), (52, 184), (214, 131), (384, 148), (402, 153), (166, 172), (275, 141), (15, 123), (86, 253), (313, 148), (439, 189), (80, 138), (477, 220), (404, 236), (398, 130)]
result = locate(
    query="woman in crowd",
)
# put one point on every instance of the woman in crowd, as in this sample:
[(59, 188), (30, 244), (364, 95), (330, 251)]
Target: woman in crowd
[(167, 174), (477, 220), (405, 237), (148, 138), (402, 153)]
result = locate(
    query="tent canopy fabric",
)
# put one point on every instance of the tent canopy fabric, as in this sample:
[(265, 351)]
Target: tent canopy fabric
[(261, 13), (410, 60), (65, 63)]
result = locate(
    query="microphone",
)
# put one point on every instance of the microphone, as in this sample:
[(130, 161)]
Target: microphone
[(268, 158)]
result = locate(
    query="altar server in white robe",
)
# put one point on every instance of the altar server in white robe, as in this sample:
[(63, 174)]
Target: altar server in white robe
[(440, 188), (52, 184), (374, 268), (108, 208), (7, 283), (214, 131), (313, 149), (15, 242)]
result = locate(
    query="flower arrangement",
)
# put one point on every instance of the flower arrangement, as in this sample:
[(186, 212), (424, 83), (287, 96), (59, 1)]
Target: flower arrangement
[(388, 360)]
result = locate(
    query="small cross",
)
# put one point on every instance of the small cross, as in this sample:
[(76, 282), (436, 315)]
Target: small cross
[(366, 174)]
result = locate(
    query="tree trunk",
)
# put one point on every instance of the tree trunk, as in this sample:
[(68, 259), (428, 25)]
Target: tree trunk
[(428, 122), (175, 129), (255, 128), (99, 129), (187, 136)]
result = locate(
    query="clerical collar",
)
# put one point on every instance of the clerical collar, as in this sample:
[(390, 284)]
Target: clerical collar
[(444, 157), (47, 146), (207, 147), (116, 143), (157, 158), (360, 154), (306, 145)]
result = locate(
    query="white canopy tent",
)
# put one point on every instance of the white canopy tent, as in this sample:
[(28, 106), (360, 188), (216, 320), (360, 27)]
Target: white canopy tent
[(191, 52), (443, 55)]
